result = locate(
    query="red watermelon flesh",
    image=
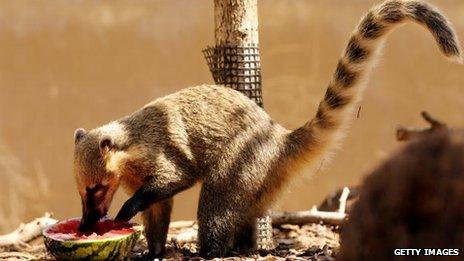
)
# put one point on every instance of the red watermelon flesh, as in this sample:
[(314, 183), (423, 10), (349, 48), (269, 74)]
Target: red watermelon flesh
[(103, 229)]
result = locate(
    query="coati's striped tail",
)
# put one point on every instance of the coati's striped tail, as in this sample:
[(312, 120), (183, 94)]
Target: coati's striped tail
[(349, 79)]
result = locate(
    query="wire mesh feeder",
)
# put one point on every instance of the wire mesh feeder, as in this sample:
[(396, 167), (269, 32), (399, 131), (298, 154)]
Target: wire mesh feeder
[(237, 67), (264, 238)]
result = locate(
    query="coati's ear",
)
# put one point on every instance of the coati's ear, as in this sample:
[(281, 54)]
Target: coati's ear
[(106, 143), (78, 134)]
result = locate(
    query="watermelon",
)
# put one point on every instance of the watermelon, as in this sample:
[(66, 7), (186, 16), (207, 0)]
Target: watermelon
[(108, 240)]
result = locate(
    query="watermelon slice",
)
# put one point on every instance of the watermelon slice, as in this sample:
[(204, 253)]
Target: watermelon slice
[(108, 240)]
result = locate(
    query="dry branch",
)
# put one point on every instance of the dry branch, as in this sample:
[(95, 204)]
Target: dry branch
[(408, 133), (332, 201), (314, 215), (26, 232), (185, 231), (182, 224), (309, 216), (343, 199)]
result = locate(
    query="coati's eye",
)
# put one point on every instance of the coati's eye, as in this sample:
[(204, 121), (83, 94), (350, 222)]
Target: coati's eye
[(97, 190)]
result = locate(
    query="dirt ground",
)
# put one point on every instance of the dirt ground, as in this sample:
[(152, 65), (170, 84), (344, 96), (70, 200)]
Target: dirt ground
[(307, 242)]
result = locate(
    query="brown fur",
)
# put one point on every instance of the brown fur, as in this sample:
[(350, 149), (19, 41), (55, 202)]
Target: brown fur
[(413, 200), (219, 137)]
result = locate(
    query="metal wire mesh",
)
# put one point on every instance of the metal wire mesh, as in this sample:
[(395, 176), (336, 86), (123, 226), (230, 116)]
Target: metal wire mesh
[(237, 67), (264, 239)]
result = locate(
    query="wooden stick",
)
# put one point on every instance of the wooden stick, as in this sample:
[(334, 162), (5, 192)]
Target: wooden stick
[(26, 232), (407, 133), (314, 215), (343, 199), (309, 216), (182, 224)]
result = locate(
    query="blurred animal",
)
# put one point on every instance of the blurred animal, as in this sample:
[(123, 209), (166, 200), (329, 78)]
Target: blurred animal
[(332, 201), (413, 200), (219, 137)]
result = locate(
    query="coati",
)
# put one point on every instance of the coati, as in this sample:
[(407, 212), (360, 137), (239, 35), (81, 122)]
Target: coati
[(219, 137), (414, 200)]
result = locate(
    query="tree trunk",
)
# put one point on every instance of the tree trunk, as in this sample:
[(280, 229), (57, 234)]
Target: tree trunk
[(234, 60), (236, 22)]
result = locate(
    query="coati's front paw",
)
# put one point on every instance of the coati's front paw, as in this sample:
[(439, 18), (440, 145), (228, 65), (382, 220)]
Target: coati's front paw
[(127, 211), (159, 254), (156, 250)]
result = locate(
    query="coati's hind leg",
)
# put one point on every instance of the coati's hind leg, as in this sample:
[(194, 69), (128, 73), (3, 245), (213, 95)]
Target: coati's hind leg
[(156, 220), (245, 238), (217, 222), (224, 220)]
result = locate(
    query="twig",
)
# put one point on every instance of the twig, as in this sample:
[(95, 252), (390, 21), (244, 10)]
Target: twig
[(314, 215), (332, 201), (182, 224), (343, 199), (407, 133), (26, 232), (309, 216)]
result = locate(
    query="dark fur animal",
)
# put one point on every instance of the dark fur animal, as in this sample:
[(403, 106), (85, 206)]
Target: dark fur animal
[(219, 137), (413, 200)]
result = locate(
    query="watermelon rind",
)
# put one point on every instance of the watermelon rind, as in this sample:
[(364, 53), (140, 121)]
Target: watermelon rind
[(93, 249)]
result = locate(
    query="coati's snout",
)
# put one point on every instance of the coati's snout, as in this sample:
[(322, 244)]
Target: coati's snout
[(95, 205), (95, 183)]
